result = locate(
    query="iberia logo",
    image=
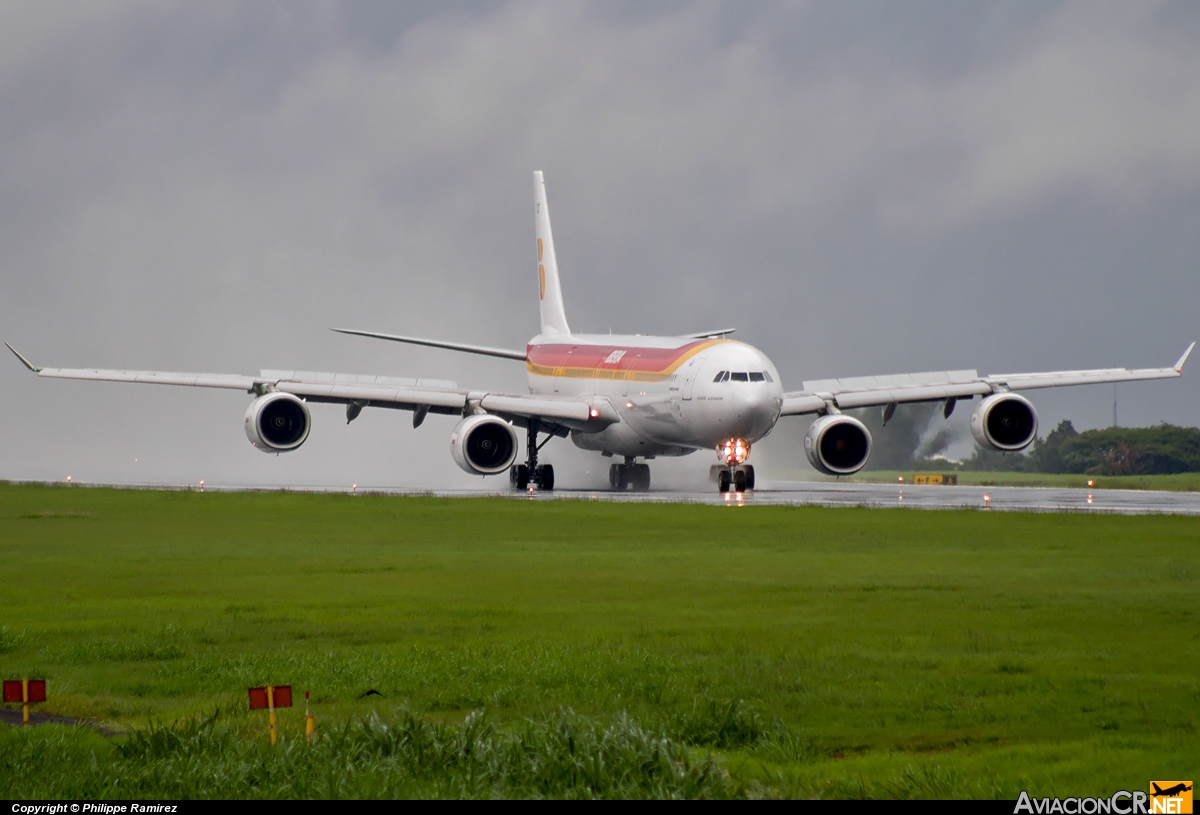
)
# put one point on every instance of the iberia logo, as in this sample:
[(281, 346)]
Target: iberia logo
[(1171, 797)]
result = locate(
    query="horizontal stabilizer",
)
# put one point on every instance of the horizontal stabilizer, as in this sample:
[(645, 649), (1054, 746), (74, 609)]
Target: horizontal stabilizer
[(450, 346), (709, 335)]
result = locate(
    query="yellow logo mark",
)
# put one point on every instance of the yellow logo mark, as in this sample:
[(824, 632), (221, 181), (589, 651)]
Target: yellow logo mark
[(1170, 797), (541, 282), (539, 240)]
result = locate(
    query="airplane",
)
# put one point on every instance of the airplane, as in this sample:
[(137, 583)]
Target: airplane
[(636, 397), (1170, 792)]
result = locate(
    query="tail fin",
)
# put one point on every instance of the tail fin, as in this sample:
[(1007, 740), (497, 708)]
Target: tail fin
[(554, 316)]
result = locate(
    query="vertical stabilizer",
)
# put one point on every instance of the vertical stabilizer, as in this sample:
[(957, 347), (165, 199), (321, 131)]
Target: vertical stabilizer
[(554, 316)]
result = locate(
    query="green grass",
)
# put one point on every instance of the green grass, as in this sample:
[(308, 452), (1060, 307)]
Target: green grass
[(1177, 482), (594, 649)]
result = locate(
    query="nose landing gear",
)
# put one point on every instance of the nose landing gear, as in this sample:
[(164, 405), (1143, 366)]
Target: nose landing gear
[(734, 478), (629, 474), (732, 474), (541, 476)]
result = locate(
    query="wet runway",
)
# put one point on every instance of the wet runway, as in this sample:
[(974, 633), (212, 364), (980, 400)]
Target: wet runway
[(797, 493), (1013, 499)]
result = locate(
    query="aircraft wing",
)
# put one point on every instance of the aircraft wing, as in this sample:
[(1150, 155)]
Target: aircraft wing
[(935, 386), (427, 395)]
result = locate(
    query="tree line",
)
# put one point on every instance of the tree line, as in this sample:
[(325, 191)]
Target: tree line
[(1157, 450)]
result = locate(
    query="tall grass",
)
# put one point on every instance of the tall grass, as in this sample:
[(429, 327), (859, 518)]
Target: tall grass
[(566, 756)]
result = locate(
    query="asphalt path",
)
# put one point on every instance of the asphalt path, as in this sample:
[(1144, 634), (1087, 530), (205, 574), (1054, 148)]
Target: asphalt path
[(13, 716)]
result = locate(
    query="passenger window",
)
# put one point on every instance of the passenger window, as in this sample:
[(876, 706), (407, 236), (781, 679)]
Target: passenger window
[(768, 376), (756, 376), (720, 376), (740, 376)]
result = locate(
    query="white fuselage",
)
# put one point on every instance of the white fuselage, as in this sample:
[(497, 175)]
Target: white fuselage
[(664, 389)]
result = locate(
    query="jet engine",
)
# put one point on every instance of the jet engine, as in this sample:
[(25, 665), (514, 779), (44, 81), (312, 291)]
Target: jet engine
[(838, 445), (277, 422), (483, 445), (1005, 422)]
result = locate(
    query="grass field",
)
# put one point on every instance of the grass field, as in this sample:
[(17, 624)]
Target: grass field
[(588, 648), (1177, 482)]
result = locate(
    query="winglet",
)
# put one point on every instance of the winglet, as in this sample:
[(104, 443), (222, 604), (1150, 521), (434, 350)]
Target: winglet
[(1178, 365), (30, 366)]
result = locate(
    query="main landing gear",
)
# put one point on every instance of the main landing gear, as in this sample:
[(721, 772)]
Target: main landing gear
[(629, 474), (735, 478), (522, 475)]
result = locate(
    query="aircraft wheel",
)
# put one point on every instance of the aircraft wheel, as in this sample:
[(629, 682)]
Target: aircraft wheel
[(640, 477), (749, 470), (618, 477), (723, 481), (739, 481), (546, 477), (518, 476)]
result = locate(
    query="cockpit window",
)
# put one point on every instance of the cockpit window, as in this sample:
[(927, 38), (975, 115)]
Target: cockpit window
[(742, 376)]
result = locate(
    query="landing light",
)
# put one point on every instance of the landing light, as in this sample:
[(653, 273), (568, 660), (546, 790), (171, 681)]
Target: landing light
[(594, 413), (733, 451)]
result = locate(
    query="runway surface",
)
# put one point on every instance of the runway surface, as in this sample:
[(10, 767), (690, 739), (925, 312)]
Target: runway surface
[(802, 493), (1013, 499)]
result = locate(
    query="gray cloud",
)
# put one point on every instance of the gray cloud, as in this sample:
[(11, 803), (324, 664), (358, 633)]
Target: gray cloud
[(862, 188)]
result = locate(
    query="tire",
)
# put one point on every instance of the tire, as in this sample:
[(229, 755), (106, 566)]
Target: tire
[(639, 477), (739, 481), (614, 475), (546, 477), (723, 480), (518, 476), (622, 478), (749, 476)]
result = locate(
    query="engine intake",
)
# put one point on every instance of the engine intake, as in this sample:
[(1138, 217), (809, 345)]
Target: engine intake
[(838, 445), (277, 422), (1005, 422), (483, 445)]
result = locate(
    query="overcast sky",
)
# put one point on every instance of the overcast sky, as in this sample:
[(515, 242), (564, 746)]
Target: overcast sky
[(859, 187)]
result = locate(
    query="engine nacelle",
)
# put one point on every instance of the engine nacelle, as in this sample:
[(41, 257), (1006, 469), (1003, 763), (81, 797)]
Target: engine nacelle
[(484, 445), (277, 422), (838, 445), (1005, 422)]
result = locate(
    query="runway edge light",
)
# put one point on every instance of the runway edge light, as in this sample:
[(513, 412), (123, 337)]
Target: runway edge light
[(310, 726)]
